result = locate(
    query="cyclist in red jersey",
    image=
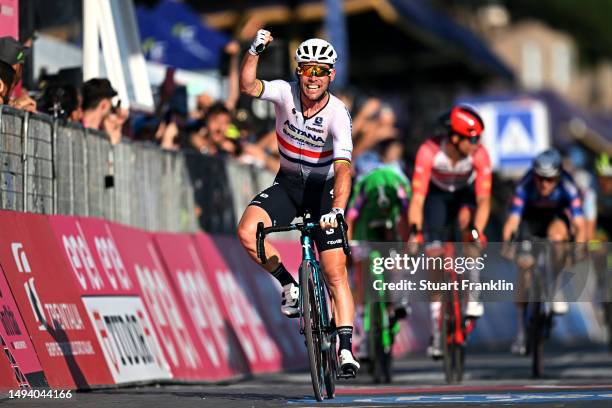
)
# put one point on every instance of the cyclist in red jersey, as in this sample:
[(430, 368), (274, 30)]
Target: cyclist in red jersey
[(451, 183)]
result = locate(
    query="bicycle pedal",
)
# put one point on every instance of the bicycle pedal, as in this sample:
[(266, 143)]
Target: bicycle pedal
[(348, 373)]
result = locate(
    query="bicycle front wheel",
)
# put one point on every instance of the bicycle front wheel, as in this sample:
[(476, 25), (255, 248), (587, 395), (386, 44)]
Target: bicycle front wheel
[(312, 328)]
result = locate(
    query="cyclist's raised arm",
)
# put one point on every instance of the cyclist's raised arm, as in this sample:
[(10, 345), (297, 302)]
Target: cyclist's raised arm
[(343, 153), (249, 84), (420, 185), (482, 166)]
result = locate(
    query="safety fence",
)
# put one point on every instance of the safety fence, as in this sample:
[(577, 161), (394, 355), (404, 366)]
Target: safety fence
[(54, 167)]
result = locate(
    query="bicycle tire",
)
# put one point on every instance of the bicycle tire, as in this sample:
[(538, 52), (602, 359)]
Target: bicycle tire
[(376, 349), (537, 341), (448, 343), (608, 318), (312, 330), (330, 369)]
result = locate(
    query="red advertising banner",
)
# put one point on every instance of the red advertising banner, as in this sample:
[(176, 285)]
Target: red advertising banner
[(261, 352), (178, 337), (112, 299), (8, 379), (210, 325), (15, 337), (9, 18), (50, 304), (265, 291)]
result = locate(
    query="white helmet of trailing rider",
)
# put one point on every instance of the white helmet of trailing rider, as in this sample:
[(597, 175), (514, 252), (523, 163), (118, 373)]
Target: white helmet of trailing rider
[(316, 50)]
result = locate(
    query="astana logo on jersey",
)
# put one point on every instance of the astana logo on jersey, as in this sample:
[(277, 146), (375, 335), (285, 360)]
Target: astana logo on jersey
[(302, 136)]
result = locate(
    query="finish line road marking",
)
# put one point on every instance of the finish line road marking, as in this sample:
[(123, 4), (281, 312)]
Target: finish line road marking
[(515, 398)]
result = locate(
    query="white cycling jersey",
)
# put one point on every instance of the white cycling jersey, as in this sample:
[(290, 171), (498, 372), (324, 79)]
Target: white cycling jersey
[(308, 146)]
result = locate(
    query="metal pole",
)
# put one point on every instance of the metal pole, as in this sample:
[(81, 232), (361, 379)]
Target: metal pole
[(91, 48), (54, 165), (86, 170), (24, 159)]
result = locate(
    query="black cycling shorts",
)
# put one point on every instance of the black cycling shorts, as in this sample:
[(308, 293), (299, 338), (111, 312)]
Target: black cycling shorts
[(441, 210), (290, 197), (535, 222)]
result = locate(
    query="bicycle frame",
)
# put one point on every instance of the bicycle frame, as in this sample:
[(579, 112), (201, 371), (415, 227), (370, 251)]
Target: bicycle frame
[(317, 329), (321, 288)]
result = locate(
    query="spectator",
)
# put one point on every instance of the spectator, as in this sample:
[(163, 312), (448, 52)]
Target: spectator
[(98, 109), (13, 53), (212, 139), (7, 73), (61, 101)]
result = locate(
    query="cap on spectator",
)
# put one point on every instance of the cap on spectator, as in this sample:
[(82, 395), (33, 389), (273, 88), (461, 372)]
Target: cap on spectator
[(12, 51)]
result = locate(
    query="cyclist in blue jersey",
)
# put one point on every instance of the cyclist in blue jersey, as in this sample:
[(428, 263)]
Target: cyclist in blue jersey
[(313, 132), (546, 204)]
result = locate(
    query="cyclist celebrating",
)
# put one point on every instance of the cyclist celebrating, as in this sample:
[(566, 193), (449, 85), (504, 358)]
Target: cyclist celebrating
[(546, 204), (452, 175), (313, 130)]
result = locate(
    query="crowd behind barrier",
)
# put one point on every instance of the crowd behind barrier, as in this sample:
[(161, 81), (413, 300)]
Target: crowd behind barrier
[(76, 171)]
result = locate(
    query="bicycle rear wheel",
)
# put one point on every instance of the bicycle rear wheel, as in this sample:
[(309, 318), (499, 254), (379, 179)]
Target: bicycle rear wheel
[(536, 340), (453, 351), (312, 329)]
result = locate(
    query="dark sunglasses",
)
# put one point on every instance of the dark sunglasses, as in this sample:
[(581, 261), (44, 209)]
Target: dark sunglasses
[(548, 179), (313, 70), (474, 140)]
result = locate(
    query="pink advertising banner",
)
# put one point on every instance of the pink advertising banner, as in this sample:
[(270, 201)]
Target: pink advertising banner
[(261, 352), (111, 296), (211, 326), (9, 18)]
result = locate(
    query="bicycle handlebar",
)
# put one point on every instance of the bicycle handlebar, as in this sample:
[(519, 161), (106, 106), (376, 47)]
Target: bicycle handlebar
[(263, 231)]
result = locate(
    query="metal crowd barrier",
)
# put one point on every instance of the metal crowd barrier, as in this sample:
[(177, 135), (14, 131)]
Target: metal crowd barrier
[(54, 167)]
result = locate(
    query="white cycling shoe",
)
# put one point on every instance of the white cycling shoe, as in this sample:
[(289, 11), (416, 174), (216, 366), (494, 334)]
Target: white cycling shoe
[(560, 308), (474, 309), (348, 362), (434, 352), (290, 305), (518, 345)]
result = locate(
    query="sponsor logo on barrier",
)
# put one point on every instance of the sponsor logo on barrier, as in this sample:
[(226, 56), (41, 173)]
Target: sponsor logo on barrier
[(166, 317), (252, 335), (23, 266), (128, 341), (205, 313), (82, 262), (112, 263), (21, 260), (9, 322)]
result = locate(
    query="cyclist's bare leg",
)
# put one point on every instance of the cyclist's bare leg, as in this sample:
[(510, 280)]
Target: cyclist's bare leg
[(558, 234), (247, 229), (333, 262), (435, 275)]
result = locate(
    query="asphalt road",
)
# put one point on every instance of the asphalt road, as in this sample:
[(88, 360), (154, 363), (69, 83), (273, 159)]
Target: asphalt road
[(574, 378)]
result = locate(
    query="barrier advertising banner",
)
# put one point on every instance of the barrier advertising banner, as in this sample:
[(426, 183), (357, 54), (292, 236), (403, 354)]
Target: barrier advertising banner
[(212, 331), (265, 293), (177, 335), (15, 338), (261, 352), (112, 299), (50, 305), (8, 380)]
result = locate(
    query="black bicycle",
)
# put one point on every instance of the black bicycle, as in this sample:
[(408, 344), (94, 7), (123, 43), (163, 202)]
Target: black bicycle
[(538, 315), (316, 320)]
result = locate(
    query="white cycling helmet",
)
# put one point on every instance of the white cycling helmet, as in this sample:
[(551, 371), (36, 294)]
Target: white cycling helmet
[(316, 50)]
